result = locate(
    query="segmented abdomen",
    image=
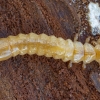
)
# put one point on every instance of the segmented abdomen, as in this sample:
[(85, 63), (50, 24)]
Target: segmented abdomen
[(49, 46)]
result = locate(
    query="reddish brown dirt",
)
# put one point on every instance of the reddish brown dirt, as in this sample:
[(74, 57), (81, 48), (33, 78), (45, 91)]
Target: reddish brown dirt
[(40, 78)]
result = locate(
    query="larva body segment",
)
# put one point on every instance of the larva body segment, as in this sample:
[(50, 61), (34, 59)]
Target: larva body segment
[(18, 44), (43, 45), (12, 40), (50, 46), (69, 50), (90, 53), (78, 52), (23, 43), (32, 44)]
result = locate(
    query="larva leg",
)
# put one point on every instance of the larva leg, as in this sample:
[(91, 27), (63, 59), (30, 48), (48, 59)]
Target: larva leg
[(94, 43), (70, 64), (88, 39), (76, 37), (83, 65)]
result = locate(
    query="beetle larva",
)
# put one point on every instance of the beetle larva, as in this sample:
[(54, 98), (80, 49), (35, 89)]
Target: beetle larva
[(50, 46)]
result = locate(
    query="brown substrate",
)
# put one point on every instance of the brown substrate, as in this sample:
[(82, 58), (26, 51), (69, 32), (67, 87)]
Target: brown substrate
[(40, 78)]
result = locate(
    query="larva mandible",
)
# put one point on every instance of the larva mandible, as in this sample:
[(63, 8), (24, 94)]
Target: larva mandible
[(50, 46)]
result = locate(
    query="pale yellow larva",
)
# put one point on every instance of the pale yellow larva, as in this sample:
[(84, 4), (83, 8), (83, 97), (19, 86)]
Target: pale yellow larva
[(49, 46)]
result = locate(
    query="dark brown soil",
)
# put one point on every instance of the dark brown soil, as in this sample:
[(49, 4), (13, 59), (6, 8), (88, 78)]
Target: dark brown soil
[(40, 78)]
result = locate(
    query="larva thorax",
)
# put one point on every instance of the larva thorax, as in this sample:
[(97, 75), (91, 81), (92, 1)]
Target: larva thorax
[(50, 46)]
